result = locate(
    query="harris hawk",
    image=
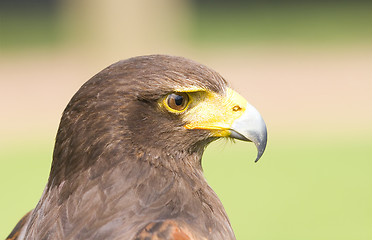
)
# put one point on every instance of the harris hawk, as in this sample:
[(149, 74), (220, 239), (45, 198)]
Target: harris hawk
[(127, 156)]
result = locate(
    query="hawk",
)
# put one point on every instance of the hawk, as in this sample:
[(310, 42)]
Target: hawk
[(127, 156)]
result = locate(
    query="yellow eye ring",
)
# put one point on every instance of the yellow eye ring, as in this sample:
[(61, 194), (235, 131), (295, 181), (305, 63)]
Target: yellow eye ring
[(177, 102)]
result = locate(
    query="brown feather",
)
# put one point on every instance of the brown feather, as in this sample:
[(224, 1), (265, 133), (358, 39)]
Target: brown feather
[(18, 228), (121, 165), (164, 230)]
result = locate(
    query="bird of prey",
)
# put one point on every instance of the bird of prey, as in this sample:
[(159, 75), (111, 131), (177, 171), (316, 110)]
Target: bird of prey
[(127, 156)]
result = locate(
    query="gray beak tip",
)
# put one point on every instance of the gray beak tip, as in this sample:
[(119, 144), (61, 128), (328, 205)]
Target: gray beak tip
[(251, 127), (261, 146)]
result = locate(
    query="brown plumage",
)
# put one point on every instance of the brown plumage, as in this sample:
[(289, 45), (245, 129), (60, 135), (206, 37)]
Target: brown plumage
[(126, 167)]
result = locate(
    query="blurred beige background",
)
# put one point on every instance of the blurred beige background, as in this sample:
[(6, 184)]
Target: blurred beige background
[(307, 67), (299, 85)]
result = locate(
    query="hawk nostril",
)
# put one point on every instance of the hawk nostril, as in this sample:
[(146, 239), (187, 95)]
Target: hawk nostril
[(236, 108)]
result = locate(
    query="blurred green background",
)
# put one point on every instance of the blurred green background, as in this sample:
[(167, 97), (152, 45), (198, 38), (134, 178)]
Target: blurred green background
[(306, 66)]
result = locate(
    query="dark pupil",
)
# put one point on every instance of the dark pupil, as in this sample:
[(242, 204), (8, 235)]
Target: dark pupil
[(178, 100)]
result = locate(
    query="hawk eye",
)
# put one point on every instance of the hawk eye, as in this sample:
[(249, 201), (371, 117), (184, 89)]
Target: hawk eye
[(177, 101)]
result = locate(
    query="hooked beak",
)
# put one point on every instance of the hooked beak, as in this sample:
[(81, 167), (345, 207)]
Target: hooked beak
[(251, 127), (229, 115)]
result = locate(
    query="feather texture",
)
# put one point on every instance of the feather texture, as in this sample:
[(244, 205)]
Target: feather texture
[(123, 168)]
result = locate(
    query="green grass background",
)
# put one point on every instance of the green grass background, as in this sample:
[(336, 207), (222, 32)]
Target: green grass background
[(303, 187), (304, 24)]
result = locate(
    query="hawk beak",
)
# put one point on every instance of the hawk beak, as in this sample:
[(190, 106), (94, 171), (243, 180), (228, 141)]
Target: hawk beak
[(229, 115), (251, 127)]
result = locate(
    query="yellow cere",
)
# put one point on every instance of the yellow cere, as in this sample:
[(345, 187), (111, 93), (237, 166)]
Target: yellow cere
[(214, 112)]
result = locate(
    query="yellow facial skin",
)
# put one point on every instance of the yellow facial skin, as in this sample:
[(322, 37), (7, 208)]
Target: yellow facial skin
[(210, 111)]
